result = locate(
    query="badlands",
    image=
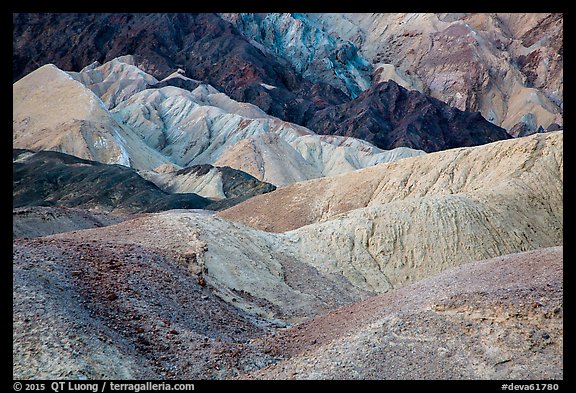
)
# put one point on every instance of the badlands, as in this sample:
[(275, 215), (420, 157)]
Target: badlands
[(287, 196)]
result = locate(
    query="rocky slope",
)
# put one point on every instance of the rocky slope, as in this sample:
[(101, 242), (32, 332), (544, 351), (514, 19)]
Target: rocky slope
[(508, 66), (205, 46), (209, 49), (190, 127), (121, 310), (251, 270), (365, 230), (49, 178), (315, 54), (116, 80), (506, 164), (153, 127), (336, 249), (128, 289), (390, 116)]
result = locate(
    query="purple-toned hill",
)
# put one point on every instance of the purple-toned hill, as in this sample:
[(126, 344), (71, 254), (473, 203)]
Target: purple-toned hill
[(390, 116)]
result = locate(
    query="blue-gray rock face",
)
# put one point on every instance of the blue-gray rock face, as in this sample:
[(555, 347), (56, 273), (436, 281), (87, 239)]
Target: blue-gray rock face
[(317, 55)]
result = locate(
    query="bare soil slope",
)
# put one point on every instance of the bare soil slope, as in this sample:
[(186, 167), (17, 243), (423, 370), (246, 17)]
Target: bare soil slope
[(103, 310), (250, 269), (530, 164), (396, 223), (495, 319), (111, 310)]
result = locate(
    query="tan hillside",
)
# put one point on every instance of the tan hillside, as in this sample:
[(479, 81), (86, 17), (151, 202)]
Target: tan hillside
[(497, 167), (250, 269), (395, 223), (52, 111), (114, 81), (113, 113), (270, 158), (451, 208)]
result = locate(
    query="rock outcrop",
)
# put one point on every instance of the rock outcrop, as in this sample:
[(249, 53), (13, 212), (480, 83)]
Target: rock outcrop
[(271, 158), (389, 116), (314, 53), (508, 66)]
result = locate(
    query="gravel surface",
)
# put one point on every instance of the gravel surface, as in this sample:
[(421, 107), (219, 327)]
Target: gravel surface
[(103, 310), (496, 319)]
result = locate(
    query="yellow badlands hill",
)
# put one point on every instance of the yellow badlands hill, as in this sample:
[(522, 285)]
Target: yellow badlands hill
[(349, 236), (398, 222)]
